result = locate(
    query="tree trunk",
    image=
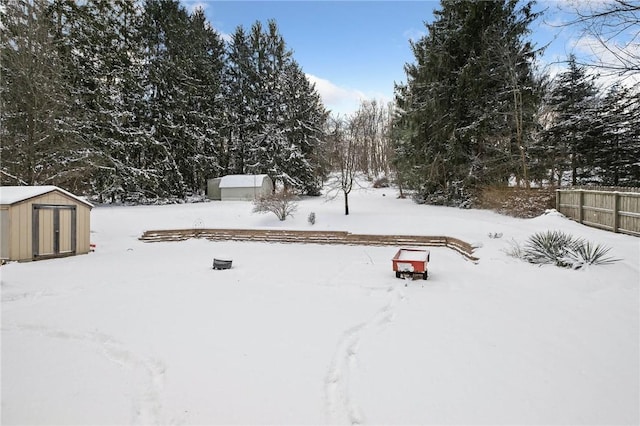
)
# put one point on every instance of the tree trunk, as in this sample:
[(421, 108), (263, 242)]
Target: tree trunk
[(346, 204)]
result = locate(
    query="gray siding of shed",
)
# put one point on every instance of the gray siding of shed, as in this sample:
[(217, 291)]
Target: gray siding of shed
[(263, 187), (213, 189), (235, 194)]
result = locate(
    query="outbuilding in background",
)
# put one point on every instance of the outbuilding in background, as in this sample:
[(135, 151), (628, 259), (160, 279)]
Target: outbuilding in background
[(241, 187), (41, 222)]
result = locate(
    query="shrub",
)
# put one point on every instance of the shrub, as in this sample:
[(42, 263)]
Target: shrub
[(560, 249), (515, 201), (515, 250), (381, 182), (312, 218), (282, 203)]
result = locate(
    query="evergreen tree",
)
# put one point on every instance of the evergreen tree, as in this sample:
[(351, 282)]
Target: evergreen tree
[(304, 117), (240, 117), (165, 36), (570, 136), (616, 159), (101, 43), (124, 169), (266, 140), (469, 99), (205, 104), (275, 115), (38, 141), (139, 101), (185, 116)]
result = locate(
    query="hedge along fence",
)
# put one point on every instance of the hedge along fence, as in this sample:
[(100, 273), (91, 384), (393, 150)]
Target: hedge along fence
[(613, 210)]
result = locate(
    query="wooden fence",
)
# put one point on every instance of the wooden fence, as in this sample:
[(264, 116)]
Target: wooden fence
[(613, 210)]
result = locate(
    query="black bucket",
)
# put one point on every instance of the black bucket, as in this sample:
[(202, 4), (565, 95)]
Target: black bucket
[(221, 264)]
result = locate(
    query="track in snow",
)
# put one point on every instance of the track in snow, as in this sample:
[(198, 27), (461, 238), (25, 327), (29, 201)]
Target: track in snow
[(147, 406), (341, 407)]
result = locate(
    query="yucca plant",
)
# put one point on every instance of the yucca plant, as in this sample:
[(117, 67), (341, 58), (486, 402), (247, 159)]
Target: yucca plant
[(588, 253), (560, 249), (549, 247)]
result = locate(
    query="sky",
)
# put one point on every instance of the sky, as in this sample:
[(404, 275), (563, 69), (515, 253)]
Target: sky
[(356, 50)]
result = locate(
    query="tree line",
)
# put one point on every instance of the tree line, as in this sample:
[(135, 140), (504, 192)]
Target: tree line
[(135, 101), (476, 112)]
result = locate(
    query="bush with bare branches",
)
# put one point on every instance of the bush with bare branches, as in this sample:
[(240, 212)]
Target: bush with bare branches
[(282, 203)]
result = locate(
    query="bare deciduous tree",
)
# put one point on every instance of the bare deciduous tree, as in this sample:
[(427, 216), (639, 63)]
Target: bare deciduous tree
[(612, 27), (370, 127), (344, 156)]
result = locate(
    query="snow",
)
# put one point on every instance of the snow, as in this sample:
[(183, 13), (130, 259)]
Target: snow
[(149, 333), (14, 194), (413, 254), (242, 181)]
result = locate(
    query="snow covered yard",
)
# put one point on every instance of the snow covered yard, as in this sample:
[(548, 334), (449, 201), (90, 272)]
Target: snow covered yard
[(149, 333)]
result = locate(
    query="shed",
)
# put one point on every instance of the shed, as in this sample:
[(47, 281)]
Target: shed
[(245, 187), (40, 222)]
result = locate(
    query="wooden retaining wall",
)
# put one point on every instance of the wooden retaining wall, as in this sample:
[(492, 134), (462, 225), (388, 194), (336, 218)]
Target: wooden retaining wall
[(617, 211), (310, 237)]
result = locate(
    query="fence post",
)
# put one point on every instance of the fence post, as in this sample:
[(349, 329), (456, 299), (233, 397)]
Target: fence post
[(558, 200), (580, 204), (616, 210)]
